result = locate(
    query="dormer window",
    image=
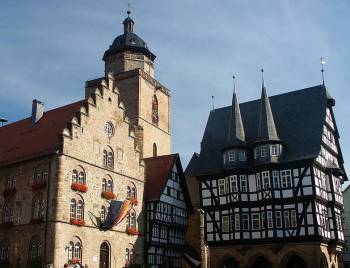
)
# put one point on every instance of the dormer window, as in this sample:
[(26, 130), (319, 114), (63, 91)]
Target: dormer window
[(263, 151), (242, 156), (231, 156)]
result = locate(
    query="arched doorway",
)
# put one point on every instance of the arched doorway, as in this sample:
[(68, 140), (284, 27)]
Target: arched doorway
[(261, 262), (230, 263), (296, 262), (104, 255)]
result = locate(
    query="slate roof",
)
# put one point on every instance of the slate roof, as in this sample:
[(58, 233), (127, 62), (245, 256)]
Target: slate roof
[(298, 115), (21, 141)]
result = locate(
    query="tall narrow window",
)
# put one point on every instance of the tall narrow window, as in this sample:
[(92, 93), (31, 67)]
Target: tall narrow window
[(8, 211), (155, 118), (35, 248), (293, 218), (256, 221), (231, 156), (265, 176), (286, 179), (258, 185), (244, 184), (4, 250), (241, 156), (73, 204), (245, 221), (77, 251), (269, 220), (104, 185), (225, 224), (274, 150), (278, 215), (286, 219), (263, 151), (276, 179), (233, 183), (155, 153), (80, 210), (222, 186), (74, 176), (237, 222)]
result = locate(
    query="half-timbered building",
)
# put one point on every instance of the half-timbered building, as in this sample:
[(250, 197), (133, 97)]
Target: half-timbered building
[(167, 207), (270, 174)]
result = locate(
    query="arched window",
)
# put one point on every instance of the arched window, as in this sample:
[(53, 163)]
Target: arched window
[(5, 250), (10, 183), (80, 210), (131, 219), (108, 158), (73, 208), (155, 118), (103, 213), (74, 176), (81, 177), (109, 129), (155, 150), (38, 207), (35, 248), (77, 251), (104, 185), (127, 255), (133, 192), (70, 250), (37, 175), (8, 211), (109, 185), (74, 249), (128, 192)]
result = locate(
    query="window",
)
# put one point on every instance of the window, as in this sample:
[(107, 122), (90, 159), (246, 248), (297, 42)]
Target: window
[(286, 179), (108, 158), (109, 185), (35, 248), (243, 180), (38, 207), (81, 177), (276, 179), (78, 176), (274, 150), (241, 156), (104, 185), (80, 210), (109, 129), (233, 183), (155, 153), (131, 219), (74, 249), (225, 224), (74, 176), (237, 222), (129, 256), (155, 118), (5, 250), (231, 156), (245, 221), (278, 215), (37, 175), (293, 218), (263, 151), (256, 221), (77, 251), (8, 211), (258, 185), (73, 204), (263, 220), (133, 192), (286, 219), (269, 220), (265, 175), (70, 251), (10, 183), (222, 186), (325, 219), (76, 209)]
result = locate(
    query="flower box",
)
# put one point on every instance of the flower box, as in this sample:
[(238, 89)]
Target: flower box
[(7, 224), (131, 231), (133, 201), (77, 222), (79, 187), (38, 185), (74, 261), (108, 195), (35, 221), (9, 192)]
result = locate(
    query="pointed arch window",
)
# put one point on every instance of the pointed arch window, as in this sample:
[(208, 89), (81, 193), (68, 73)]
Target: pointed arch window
[(8, 211), (38, 207), (35, 247), (131, 219), (80, 210), (75, 251), (155, 118), (108, 158)]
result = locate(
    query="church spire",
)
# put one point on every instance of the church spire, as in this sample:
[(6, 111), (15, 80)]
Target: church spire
[(266, 129), (236, 135), (128, 23)]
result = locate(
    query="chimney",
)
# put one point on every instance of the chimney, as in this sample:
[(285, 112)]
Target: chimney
[(37, 111)]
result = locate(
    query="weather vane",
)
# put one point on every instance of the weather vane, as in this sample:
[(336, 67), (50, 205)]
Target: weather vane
[(212, 102), (129, 10), (323, 62)]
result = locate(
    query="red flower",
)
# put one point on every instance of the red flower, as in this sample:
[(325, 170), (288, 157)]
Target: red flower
[(131, 231), (38, 185), (81, 187), (9, 192), (74, 261), (77, 222), (108, 195)]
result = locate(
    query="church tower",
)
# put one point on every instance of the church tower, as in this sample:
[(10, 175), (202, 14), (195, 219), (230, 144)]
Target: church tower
[(147, 102)]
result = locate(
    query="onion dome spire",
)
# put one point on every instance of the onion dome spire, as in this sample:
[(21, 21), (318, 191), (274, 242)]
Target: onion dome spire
[(266, 129), (236, 135)]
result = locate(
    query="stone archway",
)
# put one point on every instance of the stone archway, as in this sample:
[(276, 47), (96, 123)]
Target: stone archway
[(230, 263), (295, 261), (261, 262), (104, 255)]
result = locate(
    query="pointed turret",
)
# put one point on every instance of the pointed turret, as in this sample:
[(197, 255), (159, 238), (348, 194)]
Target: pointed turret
[(266, 129), (236, 136)]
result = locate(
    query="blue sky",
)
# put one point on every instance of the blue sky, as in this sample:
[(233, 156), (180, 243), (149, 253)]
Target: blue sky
[(48, 49)]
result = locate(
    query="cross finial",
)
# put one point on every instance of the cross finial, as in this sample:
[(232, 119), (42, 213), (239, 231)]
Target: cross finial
[(262, 78), (322, 69), (129, 12), (212, 102)]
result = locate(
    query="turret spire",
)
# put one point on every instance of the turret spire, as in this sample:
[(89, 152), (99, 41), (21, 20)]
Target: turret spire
[(128, 22), (267, 129), (236, 135)]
